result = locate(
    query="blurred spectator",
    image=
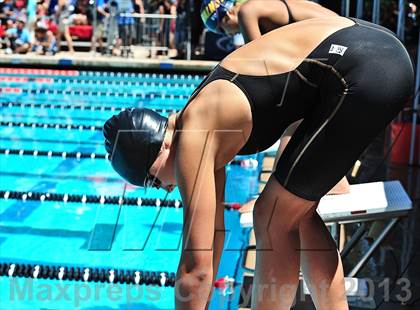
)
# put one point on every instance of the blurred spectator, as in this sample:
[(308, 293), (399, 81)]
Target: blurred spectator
[(8, 13), (51, 6), (41, 11), (181, 29), (167, 26), (20, 5), (82, 14), (412, 12), (112, 28), (18, 38), (63, 11), (42, 15), (44, 42), (99, 28), (139, 22), (125, 25)]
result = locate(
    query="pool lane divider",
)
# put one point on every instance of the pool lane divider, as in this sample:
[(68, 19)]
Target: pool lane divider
[(24, 79), (101, 199), (245, 163), (98, 74), (86, 274), (89, 82), (49, 125), (34, 71), (73, 107), (35, 153), (108, 93)]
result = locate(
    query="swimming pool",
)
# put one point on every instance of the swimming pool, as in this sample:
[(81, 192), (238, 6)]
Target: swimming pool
[(72, 233)]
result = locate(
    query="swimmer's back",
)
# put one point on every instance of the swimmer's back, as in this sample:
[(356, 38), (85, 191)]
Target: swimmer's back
[(283, 49)]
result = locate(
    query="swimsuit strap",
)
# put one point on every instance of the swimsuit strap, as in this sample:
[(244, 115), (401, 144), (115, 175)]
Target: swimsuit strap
[(291, 18)]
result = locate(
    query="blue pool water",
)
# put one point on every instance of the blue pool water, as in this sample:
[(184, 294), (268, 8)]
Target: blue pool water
[(87, 234)]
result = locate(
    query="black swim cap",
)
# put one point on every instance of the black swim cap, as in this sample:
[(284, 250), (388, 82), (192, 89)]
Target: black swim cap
[(133, 138)]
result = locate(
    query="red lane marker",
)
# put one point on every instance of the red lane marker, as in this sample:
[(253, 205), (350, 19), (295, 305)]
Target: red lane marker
[(233, 205), (44, 80), (53, 72), (11, 90), (220, 283), (25, 79), (13, 79)]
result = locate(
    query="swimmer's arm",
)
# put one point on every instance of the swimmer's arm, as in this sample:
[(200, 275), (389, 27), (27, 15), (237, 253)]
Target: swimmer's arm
[(196, 180), (219, 224), (219, 234), (249, 16), (248, 21)]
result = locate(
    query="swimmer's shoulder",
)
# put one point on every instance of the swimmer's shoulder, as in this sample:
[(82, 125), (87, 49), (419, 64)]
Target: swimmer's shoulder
[(262, 7), (218, 103), (258, 10), (200, 109)]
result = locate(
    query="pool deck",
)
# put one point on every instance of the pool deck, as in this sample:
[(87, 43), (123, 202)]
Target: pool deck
[(88, 60)]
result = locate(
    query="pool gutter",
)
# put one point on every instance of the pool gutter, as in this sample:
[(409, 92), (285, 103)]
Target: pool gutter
[(88, 61)]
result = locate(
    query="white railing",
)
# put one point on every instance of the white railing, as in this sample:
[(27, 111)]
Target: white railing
[(153, 32)]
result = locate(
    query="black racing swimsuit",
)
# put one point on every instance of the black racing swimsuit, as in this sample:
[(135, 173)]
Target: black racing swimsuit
[(346, 91)]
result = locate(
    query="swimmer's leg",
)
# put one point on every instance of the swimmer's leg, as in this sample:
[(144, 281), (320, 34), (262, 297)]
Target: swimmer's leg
[(289, 233), (277, 217), (321, 263)]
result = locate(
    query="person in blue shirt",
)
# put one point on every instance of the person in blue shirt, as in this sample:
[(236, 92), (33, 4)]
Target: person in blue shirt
[(18, 38), (125, 25)]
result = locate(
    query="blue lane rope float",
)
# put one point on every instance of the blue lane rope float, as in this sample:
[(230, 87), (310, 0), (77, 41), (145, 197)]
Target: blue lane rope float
[(128, 82), (99, 199), (35, 153), (107, 93), (246, 163), (97, 75), (173, 85), (50, 125), (86, 274), (74, 107), (122, 75), (90, 82)]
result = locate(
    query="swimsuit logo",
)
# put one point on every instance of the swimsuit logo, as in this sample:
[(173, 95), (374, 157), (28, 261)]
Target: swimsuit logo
[(337, 49)]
